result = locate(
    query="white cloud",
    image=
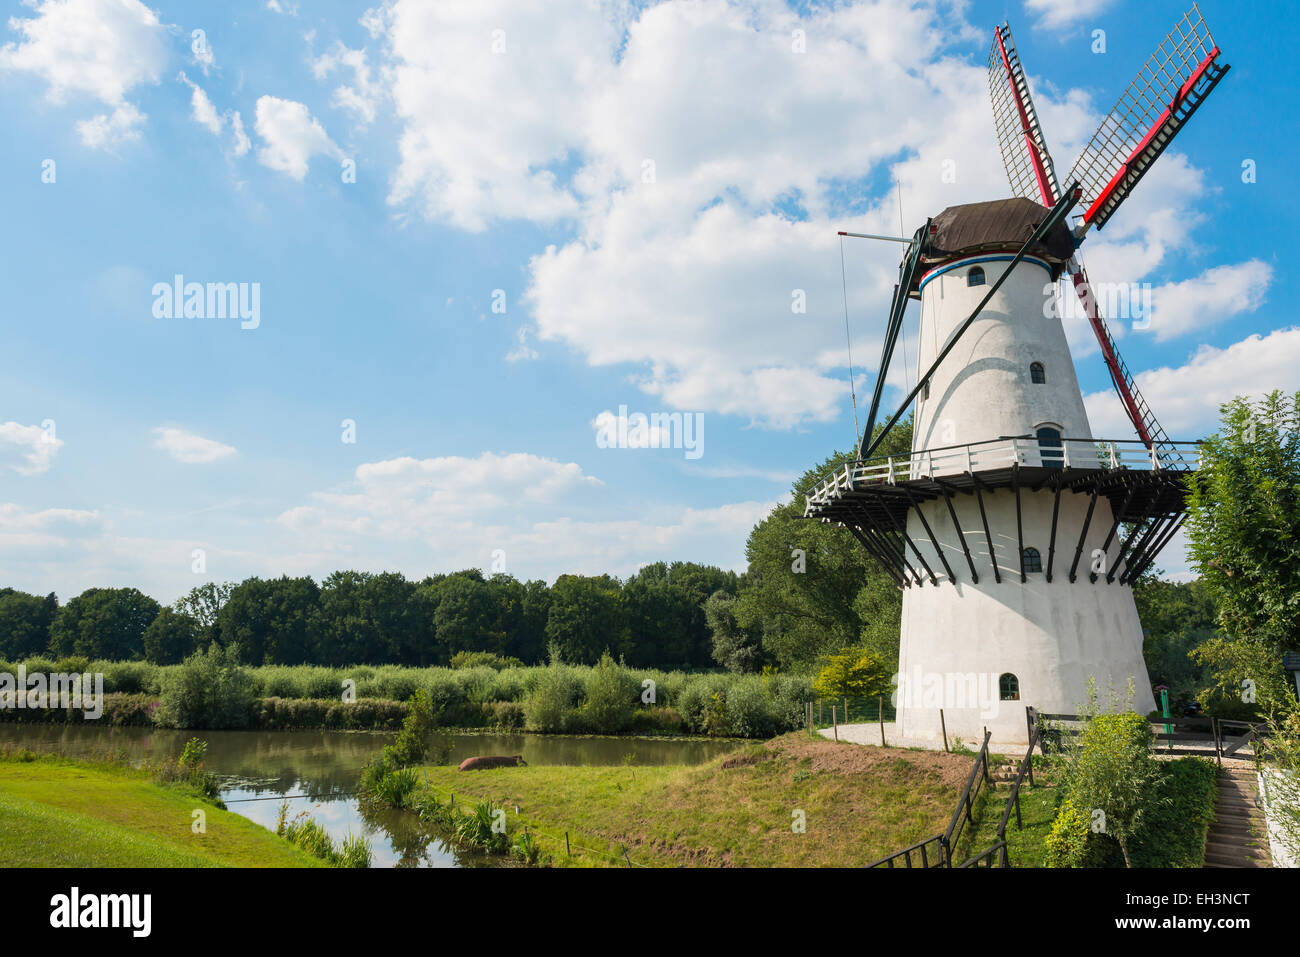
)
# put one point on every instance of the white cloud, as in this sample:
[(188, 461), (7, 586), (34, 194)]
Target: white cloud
[(706, 167), (1215, 295), (106, 130), (547, 516), (20, 527), (361, 96), (100, 49), (189, 447), (27, 449), (292, 136), (241, 142), (201, 108), (1186, 399), (1054, 14)]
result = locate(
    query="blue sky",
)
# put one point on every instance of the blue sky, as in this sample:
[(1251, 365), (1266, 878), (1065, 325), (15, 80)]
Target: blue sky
[(641, 187)]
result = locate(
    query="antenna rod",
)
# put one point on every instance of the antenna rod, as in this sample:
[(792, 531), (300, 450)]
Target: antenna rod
[(891, 239)]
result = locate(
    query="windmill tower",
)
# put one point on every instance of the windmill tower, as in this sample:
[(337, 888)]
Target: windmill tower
[(1014, 532)]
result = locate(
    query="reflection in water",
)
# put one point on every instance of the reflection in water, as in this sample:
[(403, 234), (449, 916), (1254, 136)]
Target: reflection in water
[(317, 772)]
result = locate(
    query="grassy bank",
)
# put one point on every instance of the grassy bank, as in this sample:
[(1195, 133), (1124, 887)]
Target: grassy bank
[(60, 813), (737, 810)]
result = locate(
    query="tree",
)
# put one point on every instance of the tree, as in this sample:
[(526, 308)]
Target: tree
[(584, 617), (735, 648), (171, 637), (852, 674), (1244, 520), (803, 593), (104, 623), (273, 621), (1177, 617), (468, 617), (203, 603), (25, 622), (1244, 531)]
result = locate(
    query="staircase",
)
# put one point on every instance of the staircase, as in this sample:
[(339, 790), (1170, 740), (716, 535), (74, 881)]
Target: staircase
[(1238, 836)]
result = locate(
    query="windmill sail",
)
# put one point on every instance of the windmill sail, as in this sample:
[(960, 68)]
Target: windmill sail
[(1020, 136), (1169, 88)]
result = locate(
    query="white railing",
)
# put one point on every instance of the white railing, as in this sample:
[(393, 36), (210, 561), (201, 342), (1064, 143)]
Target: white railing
[(1003, 453)]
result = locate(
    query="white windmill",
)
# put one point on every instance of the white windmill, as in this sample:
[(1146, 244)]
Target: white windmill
[(1014, 533)]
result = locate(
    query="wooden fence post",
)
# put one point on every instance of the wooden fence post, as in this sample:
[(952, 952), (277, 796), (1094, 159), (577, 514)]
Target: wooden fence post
[(944, 725), (880, 714), (835, 723)]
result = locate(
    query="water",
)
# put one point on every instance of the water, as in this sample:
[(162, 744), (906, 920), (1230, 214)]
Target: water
[(317, 772)]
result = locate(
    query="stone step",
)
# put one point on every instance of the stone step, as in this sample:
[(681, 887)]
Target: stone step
[(1234, 852)]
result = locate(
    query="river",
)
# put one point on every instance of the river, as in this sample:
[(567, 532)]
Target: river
[(317, 772)]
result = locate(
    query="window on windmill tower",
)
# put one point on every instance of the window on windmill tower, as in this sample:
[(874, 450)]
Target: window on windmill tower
[(1036, 374), (975, 277), (1009, 687), (1030, 561)]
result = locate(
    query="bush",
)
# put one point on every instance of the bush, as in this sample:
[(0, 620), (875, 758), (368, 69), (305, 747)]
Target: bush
[(1072, 842), (747, 713), (277, 714), (657, 720), (505, 715), (478, 659), (612, 693), (129, 677), (551, 705), (208, 690)]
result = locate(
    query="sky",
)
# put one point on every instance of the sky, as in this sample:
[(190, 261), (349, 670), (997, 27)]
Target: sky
[(474, 239)]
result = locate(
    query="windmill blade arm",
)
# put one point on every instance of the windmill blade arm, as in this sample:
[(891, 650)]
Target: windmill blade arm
[(1139, 413), (1170, 87), (1020, 136)]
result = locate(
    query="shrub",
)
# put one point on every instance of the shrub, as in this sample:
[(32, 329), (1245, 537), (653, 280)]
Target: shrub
[(505, 715), (129, 677), (657, 720), (447, 698), (1112, 771), (208, 690), (477, 659), (611, 695), (550, 707), (746, 711)]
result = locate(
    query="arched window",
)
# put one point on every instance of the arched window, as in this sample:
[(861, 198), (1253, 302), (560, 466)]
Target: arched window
[(1051, 452), (1036, 373), (1009, 687), (975, 277), (1031, 561)]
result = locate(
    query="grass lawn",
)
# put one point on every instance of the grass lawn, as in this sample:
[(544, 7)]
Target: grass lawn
[(1025, 847), (60, 813), (858, 803)]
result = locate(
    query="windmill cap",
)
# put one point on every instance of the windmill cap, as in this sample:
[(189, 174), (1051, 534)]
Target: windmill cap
[(1002, 225)]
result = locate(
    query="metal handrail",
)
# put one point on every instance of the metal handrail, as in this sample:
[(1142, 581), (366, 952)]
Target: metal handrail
[(1013, 801), (947, 838), (1103, 454), (967, 802)]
